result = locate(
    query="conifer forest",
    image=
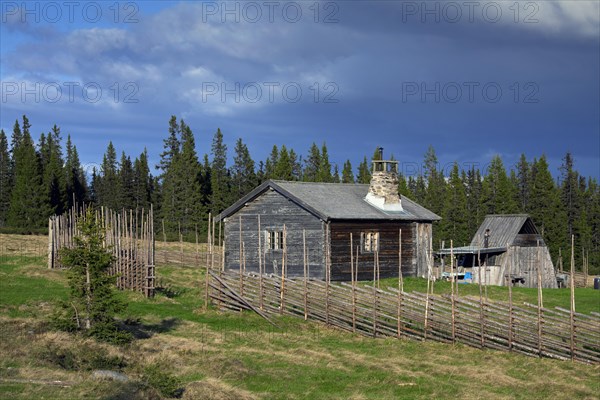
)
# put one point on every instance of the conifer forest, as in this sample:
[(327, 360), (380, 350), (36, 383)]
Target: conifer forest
[(43, 176)]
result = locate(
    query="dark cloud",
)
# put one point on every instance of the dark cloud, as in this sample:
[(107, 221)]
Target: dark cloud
[(394, 79)]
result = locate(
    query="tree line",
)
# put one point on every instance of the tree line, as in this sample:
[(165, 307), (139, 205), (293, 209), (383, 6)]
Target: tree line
[(38, 179)]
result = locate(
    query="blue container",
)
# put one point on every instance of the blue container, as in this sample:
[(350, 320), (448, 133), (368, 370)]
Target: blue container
[(597, 283)]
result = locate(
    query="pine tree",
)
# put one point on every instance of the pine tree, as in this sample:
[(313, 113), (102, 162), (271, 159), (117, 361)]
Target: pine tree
[(219, 177), (364, 172), (92, 303), (324, 171), (347, 174), (27, 205), (243, 177), (312, 164), (5, 178)]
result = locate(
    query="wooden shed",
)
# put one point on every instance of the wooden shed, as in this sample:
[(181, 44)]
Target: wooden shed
[(284, 222), (503, 243)]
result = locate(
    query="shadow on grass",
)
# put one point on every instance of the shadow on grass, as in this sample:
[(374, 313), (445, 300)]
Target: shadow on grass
[(141, 330)]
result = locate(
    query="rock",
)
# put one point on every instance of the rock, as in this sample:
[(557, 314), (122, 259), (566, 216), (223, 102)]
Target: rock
[(109, 375)]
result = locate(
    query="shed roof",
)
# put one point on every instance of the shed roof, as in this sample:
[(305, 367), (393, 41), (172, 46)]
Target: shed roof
[(504, 228), (330, 201)]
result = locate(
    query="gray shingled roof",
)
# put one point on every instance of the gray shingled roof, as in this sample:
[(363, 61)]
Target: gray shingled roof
[(335, 201), (503, 229)]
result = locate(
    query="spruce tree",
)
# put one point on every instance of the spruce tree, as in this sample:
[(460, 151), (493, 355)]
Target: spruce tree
[(336, 174), (92, 304), (75, 180), (312, 164), (125, 193), (142, 181), (454, 224), (53, 172), (296, 163), (219, 178), (243, 177), (498, 196), (546, 209), (403, 189), (435, 183), (347, 174), (5, 178), (271, 163), (168, 175), (107, 186), (27, 208), (188, 188), (324, 171), (364, 172), (283, 169), (474, 192), (523, 185), (570, 193)]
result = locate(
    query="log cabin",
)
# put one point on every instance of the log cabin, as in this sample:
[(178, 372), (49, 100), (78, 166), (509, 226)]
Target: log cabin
[(293, 227)]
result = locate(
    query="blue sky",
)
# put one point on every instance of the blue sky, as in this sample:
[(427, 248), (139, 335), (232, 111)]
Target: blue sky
[(473, 79)]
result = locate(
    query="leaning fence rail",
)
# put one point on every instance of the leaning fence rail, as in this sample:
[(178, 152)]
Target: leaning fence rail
[(391, 312)]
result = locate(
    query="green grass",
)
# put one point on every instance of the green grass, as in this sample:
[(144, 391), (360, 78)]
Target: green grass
[(227, 355)]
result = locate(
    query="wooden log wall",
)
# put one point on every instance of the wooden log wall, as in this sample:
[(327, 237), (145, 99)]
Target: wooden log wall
[(388, 249), (272, 212), (129, 235)]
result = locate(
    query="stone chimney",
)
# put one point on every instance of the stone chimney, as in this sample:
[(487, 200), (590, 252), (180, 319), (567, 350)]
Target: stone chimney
[(383, 190)]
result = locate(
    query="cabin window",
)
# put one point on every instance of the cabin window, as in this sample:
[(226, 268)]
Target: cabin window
[(274, 240), (369, 241)]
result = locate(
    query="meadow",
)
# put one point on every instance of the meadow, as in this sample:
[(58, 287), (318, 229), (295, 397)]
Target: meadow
[(204, 353)]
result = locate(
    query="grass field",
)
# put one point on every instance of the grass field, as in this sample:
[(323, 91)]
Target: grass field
[(217, 355)]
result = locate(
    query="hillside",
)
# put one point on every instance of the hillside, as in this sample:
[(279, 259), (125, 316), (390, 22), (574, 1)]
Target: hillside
[(226, 355)]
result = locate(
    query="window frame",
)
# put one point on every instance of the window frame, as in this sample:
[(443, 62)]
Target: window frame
[(273, 240), (373, 238)]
